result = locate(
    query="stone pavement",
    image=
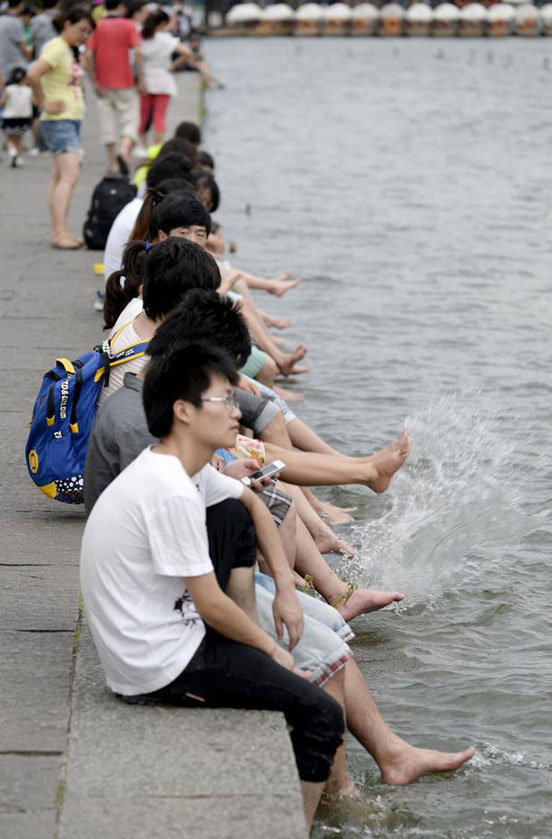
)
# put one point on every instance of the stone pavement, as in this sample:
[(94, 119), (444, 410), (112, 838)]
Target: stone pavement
[(74, 762)]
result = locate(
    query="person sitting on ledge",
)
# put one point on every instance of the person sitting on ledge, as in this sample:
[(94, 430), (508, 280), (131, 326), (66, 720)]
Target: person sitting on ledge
[(121, 433), (173, 621)]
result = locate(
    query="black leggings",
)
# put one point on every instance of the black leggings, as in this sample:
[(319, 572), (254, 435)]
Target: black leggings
[(224, 674)]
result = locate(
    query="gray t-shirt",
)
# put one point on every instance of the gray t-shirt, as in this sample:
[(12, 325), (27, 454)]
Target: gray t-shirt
[(11, 35), (42, 30), (119, 434)]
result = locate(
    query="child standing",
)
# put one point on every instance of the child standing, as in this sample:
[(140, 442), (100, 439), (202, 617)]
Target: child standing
[(18, 110)]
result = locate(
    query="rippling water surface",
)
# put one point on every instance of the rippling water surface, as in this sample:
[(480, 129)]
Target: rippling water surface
[(409, 184)]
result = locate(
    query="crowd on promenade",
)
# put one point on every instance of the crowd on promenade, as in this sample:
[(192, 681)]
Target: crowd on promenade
[(205, 582)]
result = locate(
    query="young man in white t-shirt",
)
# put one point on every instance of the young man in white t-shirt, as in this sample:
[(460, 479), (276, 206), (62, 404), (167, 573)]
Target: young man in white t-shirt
[(158, 604)]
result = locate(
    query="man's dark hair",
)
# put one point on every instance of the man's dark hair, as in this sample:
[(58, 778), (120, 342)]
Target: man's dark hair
[(110, 5), (180, 210), (172, 165), (180, 146), (13, 4), (172, 268), (185, 373), (207, 317), (49, 4), (189, 131), (206, 159)]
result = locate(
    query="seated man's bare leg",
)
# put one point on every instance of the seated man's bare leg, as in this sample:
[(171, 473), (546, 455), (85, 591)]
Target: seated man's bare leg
[(241, 588), (339, 785), (399, 762)]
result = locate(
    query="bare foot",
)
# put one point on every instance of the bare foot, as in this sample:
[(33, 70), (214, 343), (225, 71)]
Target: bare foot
[(277, 323), (288, 395), (333, 514), (388, 461), (329, 542), (346, 791), (287, 361), (365, 600), (411, 763), (282, 284)]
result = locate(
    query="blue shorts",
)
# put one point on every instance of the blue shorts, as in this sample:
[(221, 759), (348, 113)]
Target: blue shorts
[(61, 136)]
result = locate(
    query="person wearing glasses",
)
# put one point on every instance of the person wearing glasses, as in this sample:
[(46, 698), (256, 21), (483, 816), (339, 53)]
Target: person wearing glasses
[(174, 617)]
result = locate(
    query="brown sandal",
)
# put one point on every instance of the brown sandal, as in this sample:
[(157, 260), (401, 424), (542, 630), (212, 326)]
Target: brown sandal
[(66, 242)]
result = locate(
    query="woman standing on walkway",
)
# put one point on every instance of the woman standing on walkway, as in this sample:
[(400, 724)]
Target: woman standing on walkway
[(56, 79), (158, 49)]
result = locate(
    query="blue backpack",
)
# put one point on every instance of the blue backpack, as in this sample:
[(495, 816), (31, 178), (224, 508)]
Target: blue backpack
[(63, 416)]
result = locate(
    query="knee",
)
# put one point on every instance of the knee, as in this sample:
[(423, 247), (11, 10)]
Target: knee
[(276, 432), (268, 371)]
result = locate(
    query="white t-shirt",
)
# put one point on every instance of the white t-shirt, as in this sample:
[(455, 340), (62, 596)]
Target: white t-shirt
[(122, 339), (146, 532), (119, 235), (19, 103), (131, 311), (156, 55)]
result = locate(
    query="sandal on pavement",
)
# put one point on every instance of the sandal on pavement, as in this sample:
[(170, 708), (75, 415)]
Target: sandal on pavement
[(66, 242)]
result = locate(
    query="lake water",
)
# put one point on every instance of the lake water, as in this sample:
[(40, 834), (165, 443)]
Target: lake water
[(409, 184)]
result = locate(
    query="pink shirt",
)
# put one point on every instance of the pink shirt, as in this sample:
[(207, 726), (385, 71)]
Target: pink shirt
[(111, 41)]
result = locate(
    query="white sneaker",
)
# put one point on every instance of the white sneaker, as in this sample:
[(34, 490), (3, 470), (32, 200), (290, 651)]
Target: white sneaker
[(18, 162), (34, 152)]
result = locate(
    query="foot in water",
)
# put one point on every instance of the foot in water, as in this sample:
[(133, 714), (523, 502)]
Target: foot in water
[(329, 542), (286, 361), (288, 395), (365, 600), (388, 461), (333, 514), (406, 763), (282, 284)]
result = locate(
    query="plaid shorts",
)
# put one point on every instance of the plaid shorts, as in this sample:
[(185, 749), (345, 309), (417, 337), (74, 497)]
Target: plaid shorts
[(278, 502)]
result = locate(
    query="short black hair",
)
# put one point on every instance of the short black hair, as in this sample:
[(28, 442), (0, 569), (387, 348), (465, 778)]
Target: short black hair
[(19, 73), (206, 159), (181, 146), (180, 210), (185, 373), (189, 131), (204, 315), (110, 5), (172, 268), (172, 165), (49, 4)]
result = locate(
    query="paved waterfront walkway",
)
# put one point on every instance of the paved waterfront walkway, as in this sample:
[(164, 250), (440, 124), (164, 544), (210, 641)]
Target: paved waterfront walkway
[(74, 762)]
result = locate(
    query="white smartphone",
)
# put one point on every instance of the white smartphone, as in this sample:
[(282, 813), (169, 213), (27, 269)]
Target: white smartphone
[(266, 472)]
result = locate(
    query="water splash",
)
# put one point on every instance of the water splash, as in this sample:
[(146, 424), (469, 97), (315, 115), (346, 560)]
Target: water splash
[(454, 504)]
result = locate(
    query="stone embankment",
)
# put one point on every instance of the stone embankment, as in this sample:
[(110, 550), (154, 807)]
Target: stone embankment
[(74, 762)]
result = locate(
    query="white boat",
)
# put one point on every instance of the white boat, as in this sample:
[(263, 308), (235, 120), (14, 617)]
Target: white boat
[(418, 20), (337, 19), (527, 20), (277, 19), (446, 20), (365, 19), (308, 19), (473, 20), (244, 16), (501, 20), (392, 19)]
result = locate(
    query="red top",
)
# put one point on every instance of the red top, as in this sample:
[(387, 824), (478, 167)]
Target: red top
[(111, 41)]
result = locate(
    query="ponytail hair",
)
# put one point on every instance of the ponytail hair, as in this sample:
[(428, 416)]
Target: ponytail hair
[(124, 285), (153, 197), (153, 20)]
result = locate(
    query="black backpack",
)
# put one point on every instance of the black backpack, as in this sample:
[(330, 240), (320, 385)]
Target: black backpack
[(108, 199)]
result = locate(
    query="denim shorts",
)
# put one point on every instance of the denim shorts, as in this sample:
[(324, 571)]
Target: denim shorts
[(61, 135)]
